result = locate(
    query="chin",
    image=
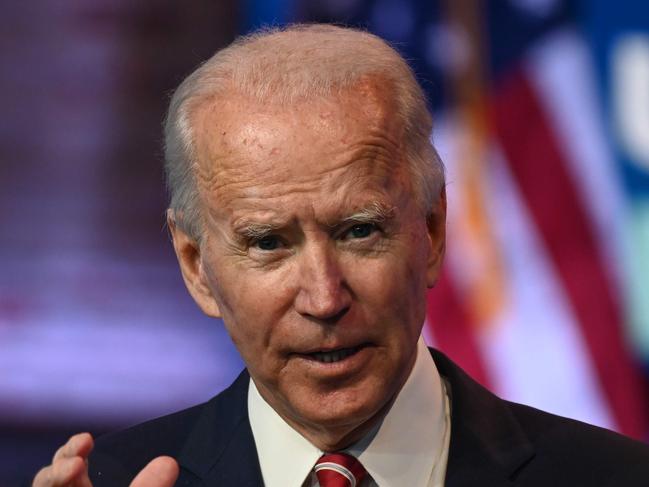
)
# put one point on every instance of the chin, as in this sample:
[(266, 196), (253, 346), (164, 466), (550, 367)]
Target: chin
[(344, 411)]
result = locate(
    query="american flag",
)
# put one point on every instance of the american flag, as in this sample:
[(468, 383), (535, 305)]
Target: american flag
[(542, 119)]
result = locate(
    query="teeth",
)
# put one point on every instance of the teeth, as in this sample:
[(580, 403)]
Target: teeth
[(333, 356)]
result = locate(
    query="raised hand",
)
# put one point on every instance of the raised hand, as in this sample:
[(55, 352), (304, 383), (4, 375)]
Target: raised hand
[(69, 468)]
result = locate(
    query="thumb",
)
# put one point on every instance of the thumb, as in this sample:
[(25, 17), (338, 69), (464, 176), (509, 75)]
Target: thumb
[(160, 472)]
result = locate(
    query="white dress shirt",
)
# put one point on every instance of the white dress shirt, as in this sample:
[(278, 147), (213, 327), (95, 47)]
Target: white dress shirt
[(408, 448)]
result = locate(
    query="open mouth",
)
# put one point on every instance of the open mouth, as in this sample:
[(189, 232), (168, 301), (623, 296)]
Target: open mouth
[(332, 356)]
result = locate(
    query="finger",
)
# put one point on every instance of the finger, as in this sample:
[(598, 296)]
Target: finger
[(78, 445), (63, 472), (160, 472), (42, 478)]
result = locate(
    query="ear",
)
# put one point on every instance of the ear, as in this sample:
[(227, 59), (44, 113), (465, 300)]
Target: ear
[(436, 226), (188, 252)]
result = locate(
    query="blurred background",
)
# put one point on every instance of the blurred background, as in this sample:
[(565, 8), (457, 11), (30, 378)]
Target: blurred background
[(542, 118)]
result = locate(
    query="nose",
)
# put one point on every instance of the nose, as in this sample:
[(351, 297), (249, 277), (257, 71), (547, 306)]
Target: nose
[(323, 293)]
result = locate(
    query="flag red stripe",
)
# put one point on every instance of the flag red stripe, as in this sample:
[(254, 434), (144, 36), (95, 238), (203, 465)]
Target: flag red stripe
[(538, 166), (452, 329)]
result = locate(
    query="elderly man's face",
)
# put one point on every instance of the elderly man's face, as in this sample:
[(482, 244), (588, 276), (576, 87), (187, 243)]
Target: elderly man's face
[(315, 254)]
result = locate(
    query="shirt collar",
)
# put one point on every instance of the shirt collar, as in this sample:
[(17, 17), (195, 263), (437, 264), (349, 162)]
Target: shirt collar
[(411, 433), (285, 456)]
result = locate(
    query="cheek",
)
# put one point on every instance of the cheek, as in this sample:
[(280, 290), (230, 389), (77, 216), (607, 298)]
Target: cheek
[(250, 324), (251, 304), (394, 289), (389, 284)]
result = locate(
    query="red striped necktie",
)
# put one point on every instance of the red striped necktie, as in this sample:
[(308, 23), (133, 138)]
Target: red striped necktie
[(339, 470)]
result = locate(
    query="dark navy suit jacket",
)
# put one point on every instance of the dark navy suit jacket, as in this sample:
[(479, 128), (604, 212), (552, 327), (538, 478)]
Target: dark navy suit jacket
[(493, 443)]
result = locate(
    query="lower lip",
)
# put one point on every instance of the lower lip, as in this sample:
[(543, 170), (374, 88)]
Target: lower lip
[(347, 365)]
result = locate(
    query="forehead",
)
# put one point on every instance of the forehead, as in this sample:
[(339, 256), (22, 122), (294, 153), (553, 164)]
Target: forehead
[(248, 149)]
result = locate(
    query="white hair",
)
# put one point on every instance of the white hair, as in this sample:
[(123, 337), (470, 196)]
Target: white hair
[(284, 65)]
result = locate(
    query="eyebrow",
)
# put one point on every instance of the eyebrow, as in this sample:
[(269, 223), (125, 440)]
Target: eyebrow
[(373, 213), (255, 230)]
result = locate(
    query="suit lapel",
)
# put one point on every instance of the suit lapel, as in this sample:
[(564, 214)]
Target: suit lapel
[(488, 445), (221, 449)]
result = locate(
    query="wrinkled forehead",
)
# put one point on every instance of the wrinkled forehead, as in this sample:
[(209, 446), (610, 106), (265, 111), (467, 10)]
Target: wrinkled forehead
[(238, 132)]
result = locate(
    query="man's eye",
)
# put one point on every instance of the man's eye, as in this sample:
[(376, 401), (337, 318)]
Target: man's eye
[(362, 230), (267, 243)]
